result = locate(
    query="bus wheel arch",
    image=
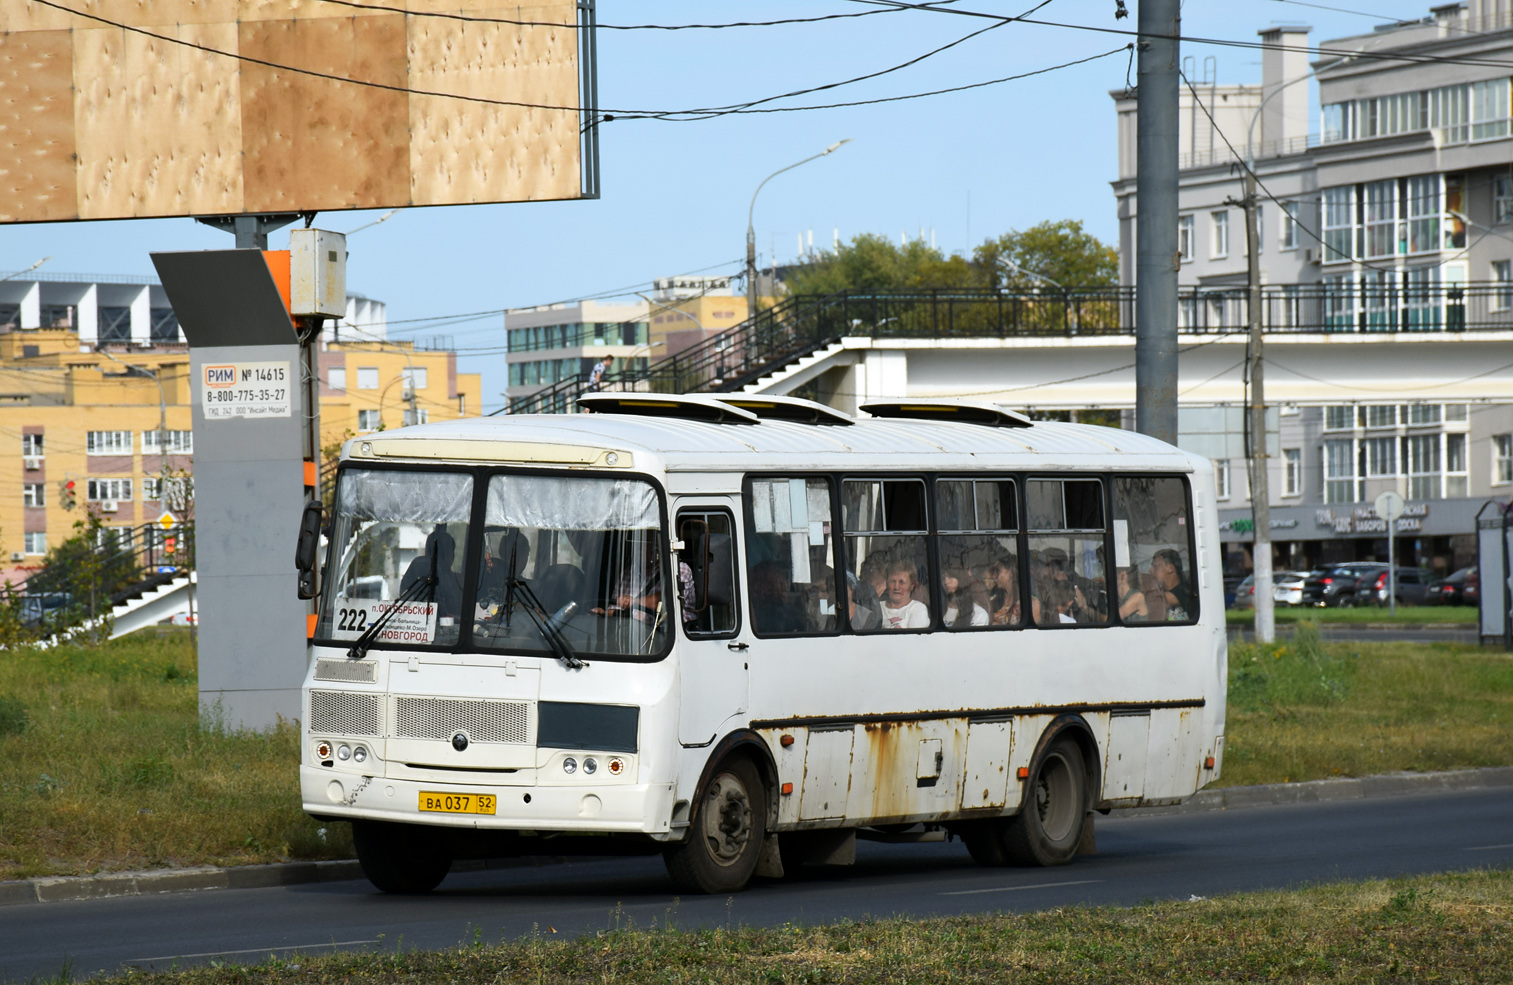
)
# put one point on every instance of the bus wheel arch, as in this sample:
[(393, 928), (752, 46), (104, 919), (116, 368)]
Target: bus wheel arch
[(1058, 793), (732, 813)]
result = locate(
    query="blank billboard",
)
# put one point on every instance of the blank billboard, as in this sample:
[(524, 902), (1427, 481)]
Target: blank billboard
[(115, 109)]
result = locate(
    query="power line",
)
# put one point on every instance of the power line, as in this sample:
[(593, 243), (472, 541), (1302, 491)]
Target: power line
[(610, 27), (1221, 42)]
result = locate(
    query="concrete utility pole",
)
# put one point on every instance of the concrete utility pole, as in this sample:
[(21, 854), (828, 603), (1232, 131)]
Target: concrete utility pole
[(1260, 492), (1156, 258)]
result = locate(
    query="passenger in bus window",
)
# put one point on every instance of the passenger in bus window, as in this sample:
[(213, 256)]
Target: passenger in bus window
[(900, 609), (959, 598), (1132, 604), (1063, 598), (445, 588), (863, 617), (1004, 596), (874, 574), (1168, 571), (773, 608)]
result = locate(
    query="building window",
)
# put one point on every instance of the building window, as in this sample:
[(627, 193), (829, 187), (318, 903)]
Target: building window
[(1337, 223), (107, 443), (1339, 122), (164, 325), (1456, 477), (1420, 414), (1289, 239), (1381, 218), (1502, 276), (1489, 109), (1423, 213), (1381, 457), (336, 378), (369, 420), (1292, 472), (31, 445), (113, 323), (1423, 466), (35, 542), (33, 494), (101, 490), (367, 377), (1502, 459), (415, 377), (1185, 237), (1381, 415), (418, 416), (1220, 234), (179, 442), (1502, 198), (462, 405), (1339, 418), (1457, 412), (1339, 471), (1221, 478), (180, 489)]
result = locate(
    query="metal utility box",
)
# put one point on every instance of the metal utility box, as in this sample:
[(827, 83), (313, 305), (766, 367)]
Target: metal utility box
[(317, 272)]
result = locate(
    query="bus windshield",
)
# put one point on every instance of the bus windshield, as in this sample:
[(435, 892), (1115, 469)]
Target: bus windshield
[(399, 543), (566, 566), (583, 555)]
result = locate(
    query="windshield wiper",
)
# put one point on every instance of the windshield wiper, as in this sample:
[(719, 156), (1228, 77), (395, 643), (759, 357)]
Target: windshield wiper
[(362, 643), (548, 626)]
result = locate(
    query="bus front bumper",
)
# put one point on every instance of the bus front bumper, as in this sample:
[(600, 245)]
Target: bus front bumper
[(610, 808)]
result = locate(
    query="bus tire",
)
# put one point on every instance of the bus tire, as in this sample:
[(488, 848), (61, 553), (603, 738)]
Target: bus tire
[(1048, 827), (984, 841), (726, 833), (397, 861)]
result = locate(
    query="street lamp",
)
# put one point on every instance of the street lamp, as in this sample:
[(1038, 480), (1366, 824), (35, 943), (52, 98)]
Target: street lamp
[(751, 230)]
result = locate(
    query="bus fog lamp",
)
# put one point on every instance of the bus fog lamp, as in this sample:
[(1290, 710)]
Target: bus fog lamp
[(344, 753), (569, 765), (590, 764), (360, 754)]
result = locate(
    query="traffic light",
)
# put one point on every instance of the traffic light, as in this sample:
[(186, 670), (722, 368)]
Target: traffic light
[(67, 495)]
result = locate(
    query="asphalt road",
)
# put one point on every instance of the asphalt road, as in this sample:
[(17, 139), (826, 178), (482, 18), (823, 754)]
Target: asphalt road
[(1141, 857)]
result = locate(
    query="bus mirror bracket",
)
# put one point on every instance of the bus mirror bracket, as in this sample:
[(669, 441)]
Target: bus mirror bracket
[(305, 549)]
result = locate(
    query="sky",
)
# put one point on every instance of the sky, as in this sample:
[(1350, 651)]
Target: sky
[(962, 167)]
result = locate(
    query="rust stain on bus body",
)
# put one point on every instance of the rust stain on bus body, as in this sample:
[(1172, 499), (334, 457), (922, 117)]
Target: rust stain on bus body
[(893, 767)]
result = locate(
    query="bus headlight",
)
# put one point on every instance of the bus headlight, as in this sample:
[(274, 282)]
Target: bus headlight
[(590, 764), (569, 765), (360, 754), (344, 753)]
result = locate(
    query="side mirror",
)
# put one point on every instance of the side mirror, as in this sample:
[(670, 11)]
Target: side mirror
[(305, 550)]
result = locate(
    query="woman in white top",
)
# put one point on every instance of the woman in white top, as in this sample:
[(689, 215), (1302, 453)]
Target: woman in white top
[(900, 609), (958, 587)]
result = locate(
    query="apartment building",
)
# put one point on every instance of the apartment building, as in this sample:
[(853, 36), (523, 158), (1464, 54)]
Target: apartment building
[(552, 343), (95, 401), (1392, 214)]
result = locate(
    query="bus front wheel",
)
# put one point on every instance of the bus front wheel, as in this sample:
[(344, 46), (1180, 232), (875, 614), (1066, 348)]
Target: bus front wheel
[(1048, 827), (726, 833), (399, 861)]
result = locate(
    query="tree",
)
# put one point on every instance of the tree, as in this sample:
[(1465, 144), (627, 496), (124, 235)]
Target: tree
[(1060, 251)]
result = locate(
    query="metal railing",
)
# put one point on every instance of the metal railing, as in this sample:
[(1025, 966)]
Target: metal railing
[(85, 584), (798, 326)]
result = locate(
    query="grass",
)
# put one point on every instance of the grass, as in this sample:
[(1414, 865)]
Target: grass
[(1305, 710), (1443, 928), (105, 765), (1410, 614)]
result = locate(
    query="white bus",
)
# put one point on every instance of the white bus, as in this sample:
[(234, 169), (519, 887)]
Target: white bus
[(745, 631)]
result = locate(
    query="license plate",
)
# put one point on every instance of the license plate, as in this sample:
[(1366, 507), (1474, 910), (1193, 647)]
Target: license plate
[(457, 803)]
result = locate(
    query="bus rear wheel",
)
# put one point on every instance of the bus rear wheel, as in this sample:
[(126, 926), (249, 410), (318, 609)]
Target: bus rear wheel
[(726, 834), (397, 860), (1048, 827)]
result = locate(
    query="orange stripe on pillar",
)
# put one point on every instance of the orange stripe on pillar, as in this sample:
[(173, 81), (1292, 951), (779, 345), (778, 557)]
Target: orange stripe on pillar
[(310, 475), (310, 626)]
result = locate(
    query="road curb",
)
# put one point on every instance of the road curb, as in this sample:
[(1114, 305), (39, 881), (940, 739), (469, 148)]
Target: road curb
[(53, 889), (1345, 788)]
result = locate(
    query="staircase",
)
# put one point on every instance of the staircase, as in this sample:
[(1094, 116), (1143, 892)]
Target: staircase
[(149, 604)]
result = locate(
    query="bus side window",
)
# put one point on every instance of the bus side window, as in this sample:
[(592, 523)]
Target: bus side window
[(887, 571), (979, 551), (1153, 550), (1068, 581), (789, 580), (706, 573)]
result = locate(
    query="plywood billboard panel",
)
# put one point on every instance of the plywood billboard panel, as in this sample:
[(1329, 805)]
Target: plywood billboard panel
[(210, 107)]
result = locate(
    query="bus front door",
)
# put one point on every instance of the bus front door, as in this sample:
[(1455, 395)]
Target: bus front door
[(713, 644)]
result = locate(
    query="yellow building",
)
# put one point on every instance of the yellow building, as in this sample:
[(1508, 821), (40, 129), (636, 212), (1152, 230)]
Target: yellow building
[(685, 311), (89, 414)]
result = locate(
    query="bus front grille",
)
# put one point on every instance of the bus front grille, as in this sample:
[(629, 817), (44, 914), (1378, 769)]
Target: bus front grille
[(441, 718), (343, 713)]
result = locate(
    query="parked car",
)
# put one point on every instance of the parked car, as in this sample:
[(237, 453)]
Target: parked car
[(1289, 589), (1411, 586), (1461, 588), (1334, 584), (1245, 592)]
